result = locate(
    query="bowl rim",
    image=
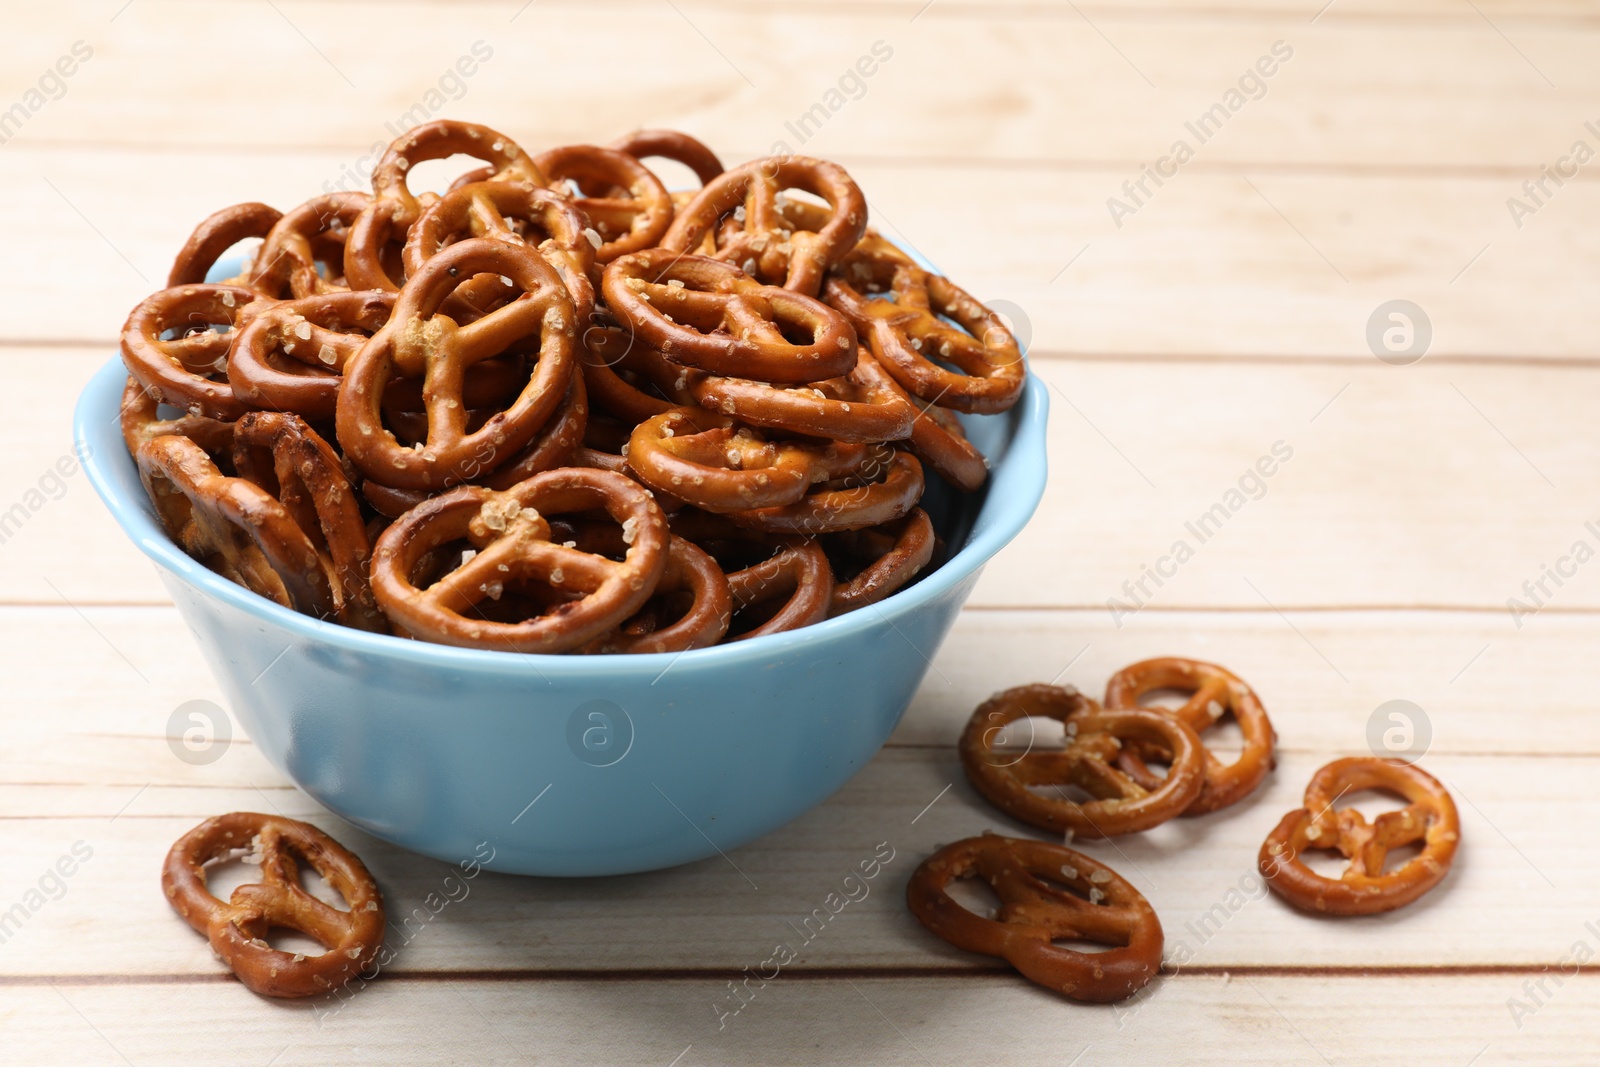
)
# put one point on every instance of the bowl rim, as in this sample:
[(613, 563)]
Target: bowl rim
[(1023, 469)]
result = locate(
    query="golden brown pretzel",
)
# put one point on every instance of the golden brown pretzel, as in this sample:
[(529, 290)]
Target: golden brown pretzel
[(863, 405), (625, 377), (1364, 888), (141, 421), (937, 438), (373, 249), (885, 487), (635, 210), (1212, 692), (715, 463), (908, 331), (290, 357), (766, 246), (441, 139), (1047, 893), (284, 456), (674, 145), (790, 589), (419, 342), (315, 232), (238, 929), (233, 526), (691, 607), (586, 595), (778, 583), (516, 212), (187, 371), (889, 557), (217, 233), (555, 446), (1094, 737), (707, 314)]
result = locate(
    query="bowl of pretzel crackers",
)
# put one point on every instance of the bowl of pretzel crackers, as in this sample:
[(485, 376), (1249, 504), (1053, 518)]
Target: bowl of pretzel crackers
[(608, 525)]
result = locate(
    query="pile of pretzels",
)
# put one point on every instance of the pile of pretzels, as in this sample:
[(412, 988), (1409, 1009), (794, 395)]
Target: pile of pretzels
[(1100, 784), (558, 408)]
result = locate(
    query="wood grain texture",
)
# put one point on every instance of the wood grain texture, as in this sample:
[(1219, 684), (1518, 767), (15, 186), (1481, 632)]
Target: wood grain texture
[(1181, 340), (1430, 1021), (1423, 486), (1199, 874), (1238, 261)]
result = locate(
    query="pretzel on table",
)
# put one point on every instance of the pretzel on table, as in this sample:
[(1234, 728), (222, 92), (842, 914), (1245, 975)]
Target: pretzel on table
[(1095, 736), (1211, 692), (1047, 893), (1365, 888), (238, 928)]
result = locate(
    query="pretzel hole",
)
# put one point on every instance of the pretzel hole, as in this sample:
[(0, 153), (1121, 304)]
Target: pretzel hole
[(196, 326), (677, 177), (230, 870), (436, 175), (1400, 855), (796, 333), (1326, 862), (510, 600), (237, 259), (805, 198), (287, 939), (1071, 791), (1032, 733), (760, 612), (976, 895)]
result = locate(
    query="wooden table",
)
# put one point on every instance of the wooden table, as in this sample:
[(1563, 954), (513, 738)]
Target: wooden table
[(1185, 332)]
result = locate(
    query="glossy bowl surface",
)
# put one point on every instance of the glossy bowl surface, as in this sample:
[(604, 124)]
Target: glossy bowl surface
[(575, 765)]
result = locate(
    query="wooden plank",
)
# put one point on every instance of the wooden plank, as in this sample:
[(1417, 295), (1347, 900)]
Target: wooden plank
[(89, 717), (1433, 90), (1217, 263), (1432, 485), (1198, 874), (1429, 1021)]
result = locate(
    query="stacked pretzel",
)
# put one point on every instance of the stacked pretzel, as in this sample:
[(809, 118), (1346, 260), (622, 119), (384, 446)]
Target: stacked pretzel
[(1051, 893), (558, 408)]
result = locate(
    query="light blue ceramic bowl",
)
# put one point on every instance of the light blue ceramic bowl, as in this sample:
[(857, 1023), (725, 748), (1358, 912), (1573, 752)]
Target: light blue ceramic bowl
[(575, 765)]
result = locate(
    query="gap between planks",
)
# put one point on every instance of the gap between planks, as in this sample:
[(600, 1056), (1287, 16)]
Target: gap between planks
[(1046, 164), (1039, 12), (816, 974)]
